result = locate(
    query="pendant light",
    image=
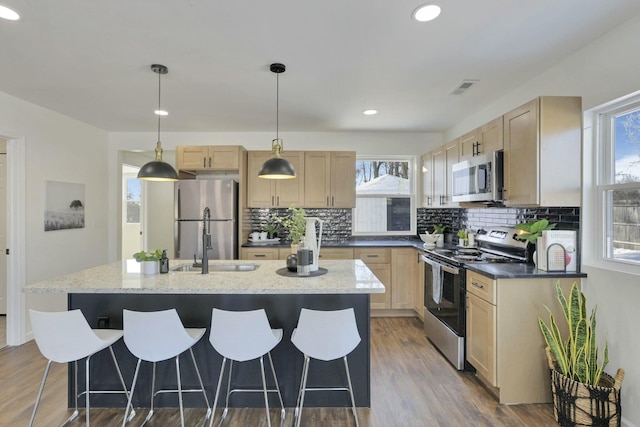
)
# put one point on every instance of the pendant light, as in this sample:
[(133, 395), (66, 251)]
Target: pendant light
[(158, 170), (277, 167)]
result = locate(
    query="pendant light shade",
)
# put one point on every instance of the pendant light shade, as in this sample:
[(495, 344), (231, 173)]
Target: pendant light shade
[(277, 167), (158, 170)]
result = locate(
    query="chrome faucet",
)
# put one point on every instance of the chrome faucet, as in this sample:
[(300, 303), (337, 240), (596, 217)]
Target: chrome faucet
[(206, 239)]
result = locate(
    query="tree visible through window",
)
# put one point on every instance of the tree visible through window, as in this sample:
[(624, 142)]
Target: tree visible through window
[(133, 201), (384, 197)]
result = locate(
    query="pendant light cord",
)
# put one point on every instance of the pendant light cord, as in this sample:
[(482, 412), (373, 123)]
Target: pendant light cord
[(277, 104), (159, 109)]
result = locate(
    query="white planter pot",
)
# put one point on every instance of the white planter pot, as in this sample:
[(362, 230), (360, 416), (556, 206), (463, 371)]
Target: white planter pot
[(150, 267)]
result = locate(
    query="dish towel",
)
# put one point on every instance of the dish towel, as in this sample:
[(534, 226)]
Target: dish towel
[(436, 282)]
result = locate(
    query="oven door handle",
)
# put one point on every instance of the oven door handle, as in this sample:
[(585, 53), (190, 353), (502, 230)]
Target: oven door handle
[(443, 267)]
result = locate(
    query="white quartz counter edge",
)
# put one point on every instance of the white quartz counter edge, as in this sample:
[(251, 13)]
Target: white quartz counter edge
[(343, 277)]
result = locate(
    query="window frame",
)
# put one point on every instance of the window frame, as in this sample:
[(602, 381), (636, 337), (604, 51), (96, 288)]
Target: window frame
[(411, 159), (602, 119)]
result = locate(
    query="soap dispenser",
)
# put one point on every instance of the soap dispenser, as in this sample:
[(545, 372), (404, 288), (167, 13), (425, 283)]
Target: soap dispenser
[(164, 263)]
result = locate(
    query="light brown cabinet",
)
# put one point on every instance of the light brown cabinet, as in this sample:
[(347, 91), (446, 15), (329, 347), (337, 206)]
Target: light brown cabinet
[(503, 340), (442, 160), (483, 140), (335, 253), (418, 291), (427, 180), (328, 175), (274, 193), (542, 152), (204, 158), (481, 326), (404, 266), (379, 262), (259, 253)]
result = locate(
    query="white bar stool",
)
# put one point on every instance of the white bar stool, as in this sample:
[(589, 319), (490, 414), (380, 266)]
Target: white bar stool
[(65, 337), (241, 336), (325, 335), (157, 336)]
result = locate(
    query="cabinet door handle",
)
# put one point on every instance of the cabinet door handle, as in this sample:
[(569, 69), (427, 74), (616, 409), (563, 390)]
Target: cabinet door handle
[(428, 200), (278, 200), (273, 200), (477, 285), (209, 161), (328, 201), (372, 256), (204, 162), (259, 255)]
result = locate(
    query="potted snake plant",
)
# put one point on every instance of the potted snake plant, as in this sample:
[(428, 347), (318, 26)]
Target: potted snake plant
[(583, 394)]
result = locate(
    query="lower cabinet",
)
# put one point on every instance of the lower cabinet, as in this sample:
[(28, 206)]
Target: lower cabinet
[(379, 262), (259, 253), (504, 342), (404, 267)]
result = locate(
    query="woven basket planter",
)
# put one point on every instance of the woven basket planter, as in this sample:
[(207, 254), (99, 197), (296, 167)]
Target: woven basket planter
[(578, 404)]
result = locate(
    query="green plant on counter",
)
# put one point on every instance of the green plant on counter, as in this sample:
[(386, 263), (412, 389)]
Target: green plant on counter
[(530, 231), (462, 233), (148, 256), (577, 356), (439, 228), (295, 224), (272, 226)]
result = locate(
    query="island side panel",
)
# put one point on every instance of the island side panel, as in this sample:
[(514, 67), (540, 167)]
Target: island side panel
[(195, 311)]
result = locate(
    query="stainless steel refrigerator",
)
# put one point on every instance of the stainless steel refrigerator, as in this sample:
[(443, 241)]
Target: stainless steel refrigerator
[(221, 197)]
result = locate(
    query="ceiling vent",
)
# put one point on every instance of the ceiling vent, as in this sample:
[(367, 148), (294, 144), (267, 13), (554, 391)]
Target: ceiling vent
[(463, 87)]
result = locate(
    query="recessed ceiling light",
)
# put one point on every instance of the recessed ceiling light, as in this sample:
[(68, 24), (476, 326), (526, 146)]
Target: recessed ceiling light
[(426, 12), (161, 112), (9, 14), (370, 112)]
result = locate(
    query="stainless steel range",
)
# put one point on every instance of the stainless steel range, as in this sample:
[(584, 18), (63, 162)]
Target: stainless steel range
[(445, 286)]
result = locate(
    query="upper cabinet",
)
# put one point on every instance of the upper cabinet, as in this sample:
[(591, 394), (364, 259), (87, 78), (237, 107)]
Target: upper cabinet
[(427, 181), (208, 158), (330, 178), (274, 193), (483, 140), (440, 178), (542, 152)]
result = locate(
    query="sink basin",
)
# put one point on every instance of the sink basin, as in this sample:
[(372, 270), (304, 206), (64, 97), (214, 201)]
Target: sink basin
[(217, 267)]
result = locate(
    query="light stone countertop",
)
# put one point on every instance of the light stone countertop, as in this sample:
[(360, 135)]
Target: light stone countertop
[(343, 277)]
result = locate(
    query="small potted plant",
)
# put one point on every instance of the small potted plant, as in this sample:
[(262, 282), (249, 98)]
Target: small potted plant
[(295, 225), (150, 261), (583, 394), (462, 237), (439, 230), (530, 231), (272, 226)]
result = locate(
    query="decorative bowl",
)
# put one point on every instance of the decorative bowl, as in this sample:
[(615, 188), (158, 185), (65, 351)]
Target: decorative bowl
[(429, 239)]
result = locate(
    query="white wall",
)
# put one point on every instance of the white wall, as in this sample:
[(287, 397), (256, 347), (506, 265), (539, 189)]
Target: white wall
[(60, 149), (605, 70)]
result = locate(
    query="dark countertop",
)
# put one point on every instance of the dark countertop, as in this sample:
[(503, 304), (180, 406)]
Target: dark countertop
[(510, 270), (352, 243), (489, 269)]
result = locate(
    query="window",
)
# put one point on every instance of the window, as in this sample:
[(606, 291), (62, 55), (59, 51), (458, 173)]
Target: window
[(133, 201), (384, 196), (619, 184)]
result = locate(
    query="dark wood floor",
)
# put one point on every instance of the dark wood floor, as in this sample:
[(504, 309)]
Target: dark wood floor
[(411, 386)]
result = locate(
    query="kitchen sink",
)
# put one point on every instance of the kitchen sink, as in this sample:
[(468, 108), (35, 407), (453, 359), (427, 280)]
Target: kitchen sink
[(217, 267)]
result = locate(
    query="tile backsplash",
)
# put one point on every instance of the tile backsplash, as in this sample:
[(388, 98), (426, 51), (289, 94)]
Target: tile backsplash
[(337, 222)]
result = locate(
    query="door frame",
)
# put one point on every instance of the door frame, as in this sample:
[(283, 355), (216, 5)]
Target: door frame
[(16, 238)]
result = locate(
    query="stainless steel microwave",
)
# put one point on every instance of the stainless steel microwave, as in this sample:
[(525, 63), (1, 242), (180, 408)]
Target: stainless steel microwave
[(479, 179)]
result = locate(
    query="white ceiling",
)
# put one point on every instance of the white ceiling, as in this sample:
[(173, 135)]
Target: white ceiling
[(89, 59)]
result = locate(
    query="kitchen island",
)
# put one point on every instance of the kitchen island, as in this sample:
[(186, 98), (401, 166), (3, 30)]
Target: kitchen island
[(103, 292)]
